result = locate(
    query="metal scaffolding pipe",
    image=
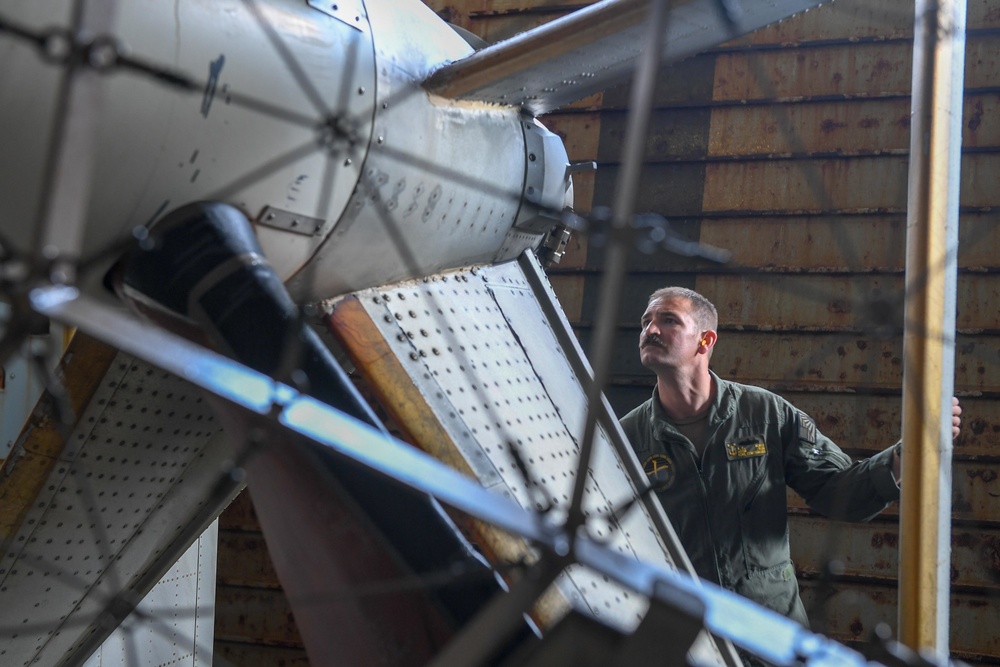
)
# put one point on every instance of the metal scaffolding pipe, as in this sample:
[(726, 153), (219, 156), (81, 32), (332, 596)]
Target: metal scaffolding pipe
[(929, 338)]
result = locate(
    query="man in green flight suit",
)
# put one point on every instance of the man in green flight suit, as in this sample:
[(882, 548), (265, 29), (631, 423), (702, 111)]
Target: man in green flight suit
[(719, 455)]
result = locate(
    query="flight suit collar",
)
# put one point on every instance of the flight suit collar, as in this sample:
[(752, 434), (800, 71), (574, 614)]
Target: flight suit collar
[(722, 408)]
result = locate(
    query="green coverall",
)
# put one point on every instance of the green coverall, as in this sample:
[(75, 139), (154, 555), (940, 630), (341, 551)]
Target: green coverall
[(730, 509)]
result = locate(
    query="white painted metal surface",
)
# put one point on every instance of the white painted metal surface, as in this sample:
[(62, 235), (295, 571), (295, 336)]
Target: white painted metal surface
[(482, 352), (174, 625), (139, 471)]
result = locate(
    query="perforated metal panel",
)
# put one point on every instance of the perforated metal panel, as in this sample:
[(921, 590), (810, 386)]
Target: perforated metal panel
[(483, 354), (137, 468)]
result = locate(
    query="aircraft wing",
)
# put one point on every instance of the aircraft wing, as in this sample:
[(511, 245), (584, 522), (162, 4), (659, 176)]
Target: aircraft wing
[(594, 48)]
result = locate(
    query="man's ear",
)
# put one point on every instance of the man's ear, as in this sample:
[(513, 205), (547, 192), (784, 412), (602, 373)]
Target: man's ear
[(708, 339)]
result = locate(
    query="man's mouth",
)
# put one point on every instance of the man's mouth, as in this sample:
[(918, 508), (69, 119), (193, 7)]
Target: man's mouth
[(652, 339)]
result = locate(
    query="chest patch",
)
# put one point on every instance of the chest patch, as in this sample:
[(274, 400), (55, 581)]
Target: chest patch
[(660, 471), (747, 448)]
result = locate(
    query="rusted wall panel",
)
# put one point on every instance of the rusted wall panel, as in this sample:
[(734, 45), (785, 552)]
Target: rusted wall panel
[(853, 302), (861, 184), (673, 135), (865, 184), (862, 19), (851, 611), (254, 655), (865, 423), (874, 69), (240, 514), (871, 550), (865, 69), (244, 560), (834, 361), (975, 490), (856, 243), (840, 127), (255, 615), (579, 132)]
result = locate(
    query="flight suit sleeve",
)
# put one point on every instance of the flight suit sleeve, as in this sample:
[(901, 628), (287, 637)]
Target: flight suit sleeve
[(829, 481)]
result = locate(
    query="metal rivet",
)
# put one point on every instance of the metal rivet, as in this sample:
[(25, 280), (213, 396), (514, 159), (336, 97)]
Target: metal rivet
[(347, 162), (413, 355), (381, 139), (361, 90)]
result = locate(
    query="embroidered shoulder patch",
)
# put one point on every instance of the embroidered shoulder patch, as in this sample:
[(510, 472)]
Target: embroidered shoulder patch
[(747, 448), (807, 429)]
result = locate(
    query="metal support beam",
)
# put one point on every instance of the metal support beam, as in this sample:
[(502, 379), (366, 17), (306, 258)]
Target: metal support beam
[(929, 339)]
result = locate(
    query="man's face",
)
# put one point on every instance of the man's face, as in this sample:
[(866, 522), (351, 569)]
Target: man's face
[(670, 336)]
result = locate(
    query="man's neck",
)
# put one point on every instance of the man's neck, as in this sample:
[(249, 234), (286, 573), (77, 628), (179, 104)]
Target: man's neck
[(685, 396)]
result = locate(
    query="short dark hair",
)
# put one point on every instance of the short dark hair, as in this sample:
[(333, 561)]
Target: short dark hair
[(704, 310)]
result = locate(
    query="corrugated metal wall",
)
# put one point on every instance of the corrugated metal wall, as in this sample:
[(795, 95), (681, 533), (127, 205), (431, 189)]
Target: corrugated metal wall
[(789, 148)]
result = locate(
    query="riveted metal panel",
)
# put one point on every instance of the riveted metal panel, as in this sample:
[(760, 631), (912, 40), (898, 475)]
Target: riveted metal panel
[(182, 607), (136, 469), (480, 350)]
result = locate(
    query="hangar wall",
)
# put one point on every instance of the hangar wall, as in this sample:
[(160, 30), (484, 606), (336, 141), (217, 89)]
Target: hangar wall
[(790, 149)]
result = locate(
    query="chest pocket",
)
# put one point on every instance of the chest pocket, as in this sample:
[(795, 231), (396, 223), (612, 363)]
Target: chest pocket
[(747, 462)]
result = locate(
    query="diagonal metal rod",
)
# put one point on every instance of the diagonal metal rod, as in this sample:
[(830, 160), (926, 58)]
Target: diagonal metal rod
[(66, 180), (641, 103)]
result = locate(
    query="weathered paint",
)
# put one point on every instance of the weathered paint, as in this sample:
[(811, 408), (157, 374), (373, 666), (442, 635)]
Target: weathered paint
[(258, 655), (255, 615), (864, 69), (871, 550), (850, 185), (850, 611), (834, 128), (974, 496), (832, 361), (579, 132), (244, 560), (841, 243), (861, 20), (866, 423)]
